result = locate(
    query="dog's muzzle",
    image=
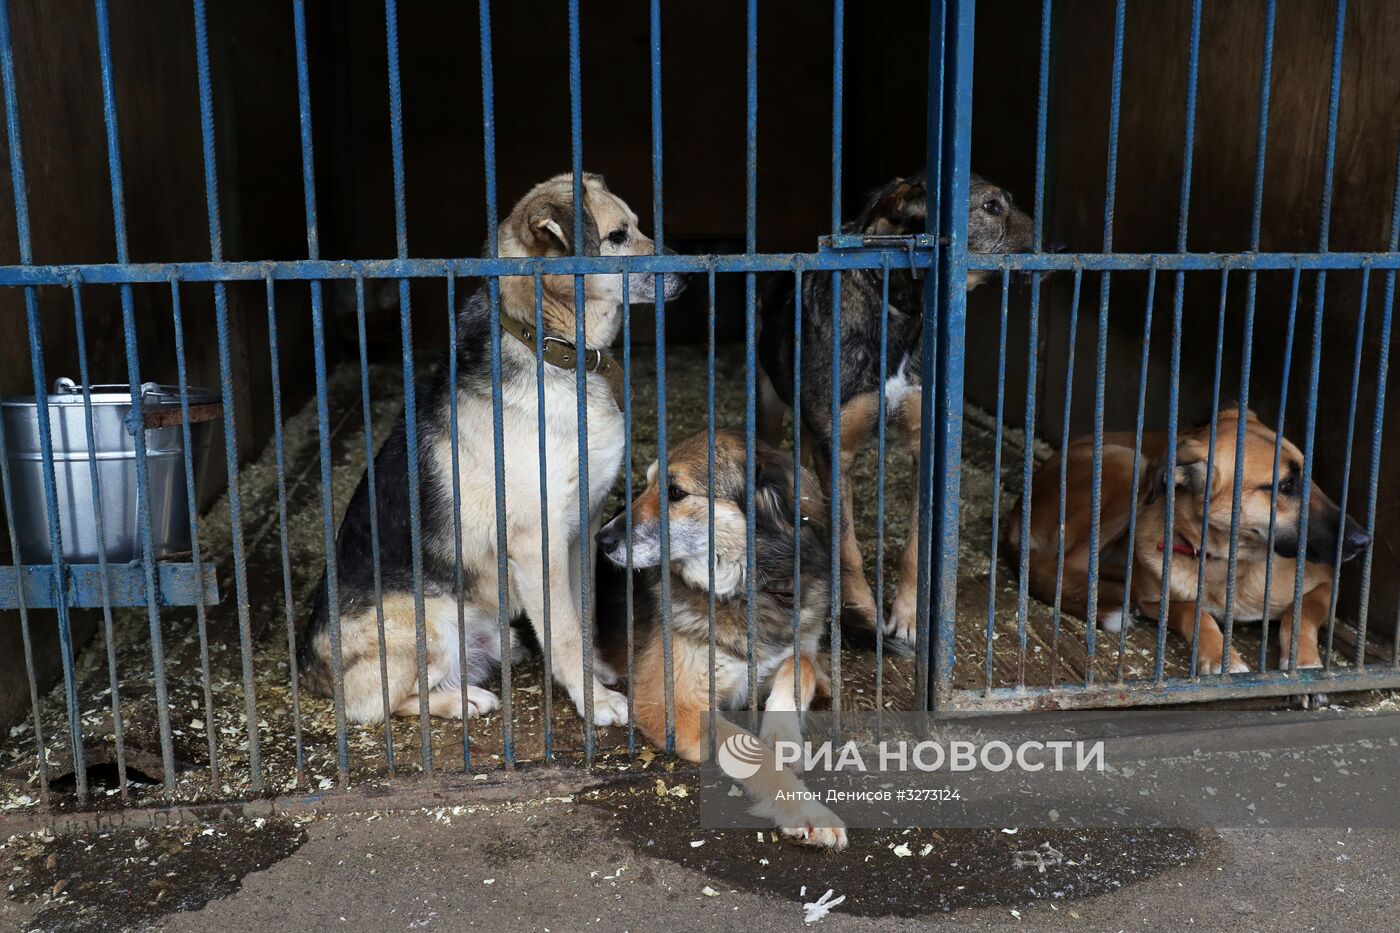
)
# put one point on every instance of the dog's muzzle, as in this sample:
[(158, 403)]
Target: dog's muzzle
[(1331, 536), (642, 285)]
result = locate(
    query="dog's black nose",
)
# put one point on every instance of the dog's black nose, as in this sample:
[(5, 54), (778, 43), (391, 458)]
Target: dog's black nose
[(1356, 541), (609, 538)]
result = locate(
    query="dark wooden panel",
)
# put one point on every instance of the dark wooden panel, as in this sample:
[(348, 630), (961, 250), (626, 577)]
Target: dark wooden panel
[(1149, 175)]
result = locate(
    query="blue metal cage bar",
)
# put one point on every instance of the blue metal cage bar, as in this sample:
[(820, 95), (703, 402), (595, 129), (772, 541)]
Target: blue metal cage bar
[(313, 250), (79, 333), (280, 455), (751, 319), (1255, 223), (114, 163), (231, 457), (1101, 353), (1319, 305), (900, 258)]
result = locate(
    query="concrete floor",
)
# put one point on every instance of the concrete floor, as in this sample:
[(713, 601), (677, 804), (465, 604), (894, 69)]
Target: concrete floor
[(562, 864)]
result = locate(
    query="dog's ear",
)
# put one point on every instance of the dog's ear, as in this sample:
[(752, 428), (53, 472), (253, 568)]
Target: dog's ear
[(550, 226), (549, 223), (887, 210), (1229, 409), (772, 488), (1189, 472), (1155, 485), (1249, 414)]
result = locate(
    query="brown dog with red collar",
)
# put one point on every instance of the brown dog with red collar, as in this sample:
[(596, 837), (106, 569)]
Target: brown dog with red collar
[(1192, 471)]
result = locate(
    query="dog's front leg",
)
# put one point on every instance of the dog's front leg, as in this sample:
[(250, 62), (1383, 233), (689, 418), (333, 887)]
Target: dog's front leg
[(576, 575), (1181, 618), (566, 633), (855, 591), (788, 698), (780, 795), (771, 411), (601, 668), (903, 620), (1314, 615)]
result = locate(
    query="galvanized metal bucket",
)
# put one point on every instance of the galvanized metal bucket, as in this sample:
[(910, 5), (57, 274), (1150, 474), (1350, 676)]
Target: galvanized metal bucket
[(114, 450)]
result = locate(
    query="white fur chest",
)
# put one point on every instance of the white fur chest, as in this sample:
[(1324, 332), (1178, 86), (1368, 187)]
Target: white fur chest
[(606, 433)]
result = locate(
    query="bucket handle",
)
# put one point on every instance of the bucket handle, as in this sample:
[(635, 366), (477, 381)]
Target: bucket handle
[(163, 417)]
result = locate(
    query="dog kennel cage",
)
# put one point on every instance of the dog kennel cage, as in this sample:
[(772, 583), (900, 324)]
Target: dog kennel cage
[(946, 626)]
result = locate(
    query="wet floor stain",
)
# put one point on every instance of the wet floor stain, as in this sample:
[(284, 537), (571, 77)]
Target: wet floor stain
[(125, 879), (899, 873)]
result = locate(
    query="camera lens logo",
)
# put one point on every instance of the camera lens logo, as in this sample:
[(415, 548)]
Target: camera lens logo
[(740, 756)]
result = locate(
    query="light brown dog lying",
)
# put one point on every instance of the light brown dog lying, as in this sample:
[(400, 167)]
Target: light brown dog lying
[(1327, 531)]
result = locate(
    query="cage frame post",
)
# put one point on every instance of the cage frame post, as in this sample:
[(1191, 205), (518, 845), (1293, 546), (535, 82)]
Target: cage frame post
[(949, 340)]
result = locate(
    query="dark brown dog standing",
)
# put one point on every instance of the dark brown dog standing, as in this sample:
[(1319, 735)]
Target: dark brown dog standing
[(1328, 530), (995, 225)]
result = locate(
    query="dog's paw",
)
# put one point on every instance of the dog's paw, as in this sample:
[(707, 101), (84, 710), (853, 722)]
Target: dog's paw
[(1211, 664), (609, 706), (481, 701), (821, 837), (1308, 655), (903, 621), (1114, 622), (822, 832), (1303, 664), (1314, 701), (814, 825)]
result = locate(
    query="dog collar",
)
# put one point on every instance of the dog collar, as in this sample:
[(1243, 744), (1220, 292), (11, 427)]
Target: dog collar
[(1179, 547), (562, 353)]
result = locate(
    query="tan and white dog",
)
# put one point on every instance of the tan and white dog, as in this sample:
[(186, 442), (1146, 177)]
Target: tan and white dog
[(789, 675), (540, 225)]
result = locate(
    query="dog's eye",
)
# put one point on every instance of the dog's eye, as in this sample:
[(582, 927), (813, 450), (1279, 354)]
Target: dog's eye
[(617, 237), (993, 207), (676, 493), (1288, 486)]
